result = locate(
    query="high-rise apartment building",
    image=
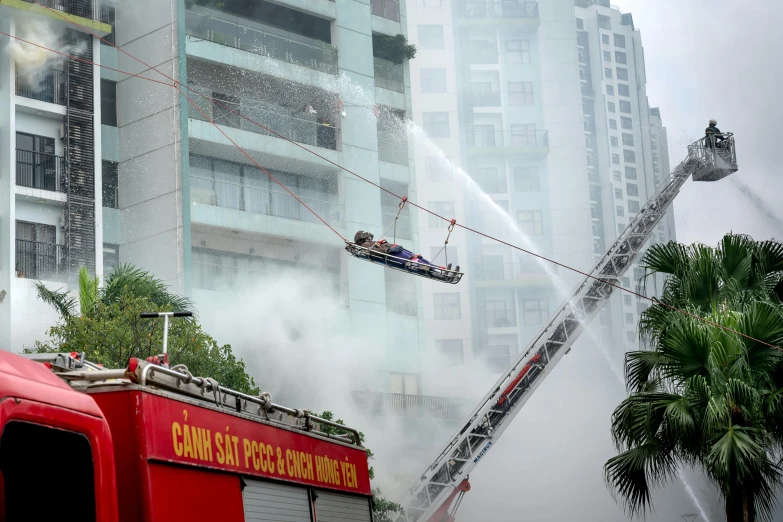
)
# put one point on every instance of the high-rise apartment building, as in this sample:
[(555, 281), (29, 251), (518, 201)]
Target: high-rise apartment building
[(543, 105), (496, 87), (177, 198), (54, 117), (627, 156)]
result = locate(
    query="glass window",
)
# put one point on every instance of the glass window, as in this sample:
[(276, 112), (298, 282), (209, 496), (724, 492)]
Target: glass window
[(614, 141), (616, 159), (607, 72), (492, 180), (531, 222), (630, 172), (619, 40), (620, 211), (620, 228), (609, 90), (626, 123), (620, 57), (498, 358), (625, 106), (632, 189), (431, 37), (439, 255), (111, 257), (618, 175), (604, 22), (628, 139), (618, 193), (109, 103), (629, 318), (580, 24), (526, 179), (633, 207), (524, 134), (629, 156), (110, 185), (404, 383), (622, 73), (498, 314), (623, 90), (613, 124), (627, 300), (451, 350), (517, 51), (610, 106), (605, 39), (436, 124), (520, 93), (607, 56), (443, 208), (433, 80), (536, 311), (447, 306)]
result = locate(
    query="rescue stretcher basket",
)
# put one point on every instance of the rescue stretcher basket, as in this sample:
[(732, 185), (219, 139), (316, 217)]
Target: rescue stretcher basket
[(434, 273)]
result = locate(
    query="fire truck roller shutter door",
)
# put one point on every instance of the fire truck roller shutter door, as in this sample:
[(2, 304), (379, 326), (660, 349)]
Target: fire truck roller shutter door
[(336, 507), (271, 502)]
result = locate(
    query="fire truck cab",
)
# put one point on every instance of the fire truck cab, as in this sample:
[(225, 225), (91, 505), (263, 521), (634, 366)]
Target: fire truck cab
[(149, 443)]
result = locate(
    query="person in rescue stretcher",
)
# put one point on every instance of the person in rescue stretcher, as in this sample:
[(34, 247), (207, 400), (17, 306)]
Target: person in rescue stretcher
[(365, 239)]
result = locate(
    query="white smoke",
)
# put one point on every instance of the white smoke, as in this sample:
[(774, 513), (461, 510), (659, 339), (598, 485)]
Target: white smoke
[(33, 62)]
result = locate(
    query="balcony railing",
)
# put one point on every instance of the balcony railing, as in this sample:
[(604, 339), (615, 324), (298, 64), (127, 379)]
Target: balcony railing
[(482, 56), (36, 260), (416, 406), (389, 75), (501, 318), (296, 127), (48, 87), (483, 98), (507, 138), (258, 38), (269, 202), (502, 9), (38, 170), (84, 8), (393, 151), (387, 9)]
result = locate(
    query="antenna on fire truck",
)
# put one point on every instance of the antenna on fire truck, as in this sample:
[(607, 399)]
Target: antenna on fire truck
[(165, 316)]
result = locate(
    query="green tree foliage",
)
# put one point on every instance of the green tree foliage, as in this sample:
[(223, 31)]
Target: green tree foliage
[(110, 331), (393, 48), (702, 395), (382, 509)]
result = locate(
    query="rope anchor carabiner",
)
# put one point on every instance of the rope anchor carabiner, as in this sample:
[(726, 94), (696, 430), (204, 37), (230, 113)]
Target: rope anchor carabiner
[(402, 205)]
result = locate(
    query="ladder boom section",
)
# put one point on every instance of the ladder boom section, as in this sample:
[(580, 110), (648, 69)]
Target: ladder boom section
[(497, 409)]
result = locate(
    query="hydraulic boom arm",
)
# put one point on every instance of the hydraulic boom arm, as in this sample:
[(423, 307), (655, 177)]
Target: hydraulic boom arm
[(430, 496)]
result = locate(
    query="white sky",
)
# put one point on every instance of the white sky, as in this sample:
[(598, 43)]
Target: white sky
[(719, 59)]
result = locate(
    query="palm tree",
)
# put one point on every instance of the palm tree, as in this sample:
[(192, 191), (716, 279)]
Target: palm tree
[(125, 278), (704, 395)]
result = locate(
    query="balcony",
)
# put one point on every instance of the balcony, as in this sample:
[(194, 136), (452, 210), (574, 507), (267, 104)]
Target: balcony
[(257, 38), (474, 56), (38, 170), (35, 260), (393, 150), (83, 8), (473, 9), (389, 9), (50, 88), (483, 98), (389, 75), (296, 127), (412, 406), (268, 202), (508, 140)]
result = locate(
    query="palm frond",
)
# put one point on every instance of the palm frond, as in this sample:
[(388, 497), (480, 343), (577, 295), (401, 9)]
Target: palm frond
[(88, 292), (687, 346), (669, 258), (736, 257), (633, 473), (58, 299), (764, 323), (641, 366), (139, 283)]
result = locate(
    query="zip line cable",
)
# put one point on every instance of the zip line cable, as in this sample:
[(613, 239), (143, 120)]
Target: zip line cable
[(176, 85)]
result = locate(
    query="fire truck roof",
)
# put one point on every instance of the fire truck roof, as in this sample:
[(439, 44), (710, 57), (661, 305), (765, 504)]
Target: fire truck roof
[(30, 380)]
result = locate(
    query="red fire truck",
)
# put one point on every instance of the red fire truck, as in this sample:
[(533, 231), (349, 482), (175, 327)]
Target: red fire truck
[(152, 443)]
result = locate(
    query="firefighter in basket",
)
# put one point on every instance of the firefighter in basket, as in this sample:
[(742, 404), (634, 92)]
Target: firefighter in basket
[(365, 239), (712, 132)]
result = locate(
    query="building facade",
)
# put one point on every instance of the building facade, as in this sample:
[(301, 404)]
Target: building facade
[(52, 135), (566, 153)]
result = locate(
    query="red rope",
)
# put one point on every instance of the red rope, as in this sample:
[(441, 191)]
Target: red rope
[(175, 84)]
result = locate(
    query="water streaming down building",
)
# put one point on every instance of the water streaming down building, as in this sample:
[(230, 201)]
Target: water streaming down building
[(55, 115), (564, 142)]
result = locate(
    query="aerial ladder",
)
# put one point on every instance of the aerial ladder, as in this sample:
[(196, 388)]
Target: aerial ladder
[(437, 493)]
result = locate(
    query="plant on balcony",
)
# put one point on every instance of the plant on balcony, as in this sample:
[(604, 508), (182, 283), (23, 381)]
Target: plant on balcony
[(109, 330), (393, 48), (19, 270), (382, 509), (214, 4)]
